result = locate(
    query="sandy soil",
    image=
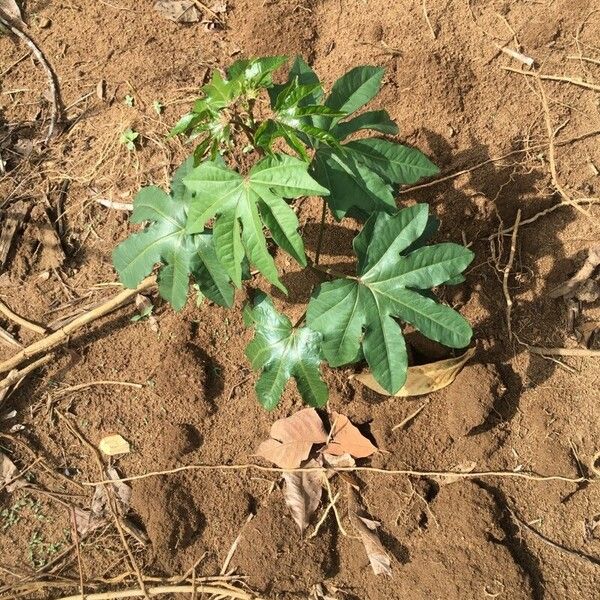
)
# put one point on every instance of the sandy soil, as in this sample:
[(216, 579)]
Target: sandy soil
[(445, 84)]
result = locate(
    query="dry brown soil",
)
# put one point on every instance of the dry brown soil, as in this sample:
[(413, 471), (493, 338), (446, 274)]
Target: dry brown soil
[(509, 409)]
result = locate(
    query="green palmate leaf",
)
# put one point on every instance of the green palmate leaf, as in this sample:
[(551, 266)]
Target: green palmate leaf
[(303, 75), (394, 162), (256, 72), (166, 241), (351, 185), (281, 352), (243, 205), (354, 89), (360, 174), (377, 120), (356, 316)]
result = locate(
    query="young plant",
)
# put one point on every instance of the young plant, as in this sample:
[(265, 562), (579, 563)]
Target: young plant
[(259, 146)]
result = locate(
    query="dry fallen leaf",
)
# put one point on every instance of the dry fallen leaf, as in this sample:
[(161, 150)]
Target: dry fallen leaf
[(99, 508), (111, 445), (292, 439), (423, 379), (367, 530), (302, 493), (345, 438), (179, 11), (9, 471), (11, 8), (380, 561)]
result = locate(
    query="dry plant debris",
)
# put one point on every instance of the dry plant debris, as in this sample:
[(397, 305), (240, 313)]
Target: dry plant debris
[(113, 445), (423, 379)]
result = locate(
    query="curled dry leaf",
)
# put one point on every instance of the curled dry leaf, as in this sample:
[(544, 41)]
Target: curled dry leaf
[(345, 438), (179, 11), (367, 530), (302, 493), (423, 379), (9, 472), (292, 439)]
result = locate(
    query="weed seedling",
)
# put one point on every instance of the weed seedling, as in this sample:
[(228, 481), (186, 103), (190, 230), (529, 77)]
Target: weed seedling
[(260, 146), (128, 138)]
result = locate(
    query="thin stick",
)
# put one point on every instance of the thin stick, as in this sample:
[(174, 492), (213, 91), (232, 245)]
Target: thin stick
[(334, 508), (52, 85), (563, 351), (574, 553), (455, 174), (232, 549), (594, 61), (321, 230), (320, 522), (545, 212), (507, 268), (552, 152), (410, 417), (10, 314), (78, 551), (82, 386), (574, 80), (15, 375), (431, 29), (221, 591), (109, 491), (126, 206), (529, 475), (60, 335)]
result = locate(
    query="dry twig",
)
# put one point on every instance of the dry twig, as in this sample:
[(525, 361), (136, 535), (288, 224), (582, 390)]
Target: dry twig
[(60, 335), (10, 314), (55, 100), (574, 80), (507, 268), (109, 491), (531, 476)]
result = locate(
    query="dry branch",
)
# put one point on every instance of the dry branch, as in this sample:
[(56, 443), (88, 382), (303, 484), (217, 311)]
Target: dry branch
[(574, 80), (51, 76), (10, 314), (563, 351), (160, 590), (16, 375), (62, 334)]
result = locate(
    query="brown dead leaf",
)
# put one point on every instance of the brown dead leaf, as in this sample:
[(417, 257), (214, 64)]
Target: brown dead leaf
[(345, 438), (367, 530), (423, 379), (292, 439), (8, 472), (179, 11), (11, 8), (302, 493)]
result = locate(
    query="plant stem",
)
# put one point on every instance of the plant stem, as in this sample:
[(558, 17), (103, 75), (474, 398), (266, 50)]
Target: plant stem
[(331, 272), (321, 229)]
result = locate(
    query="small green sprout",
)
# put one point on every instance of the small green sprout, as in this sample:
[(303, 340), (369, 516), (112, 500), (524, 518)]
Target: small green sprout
[(158, 107), (129, 101), (128, 137)]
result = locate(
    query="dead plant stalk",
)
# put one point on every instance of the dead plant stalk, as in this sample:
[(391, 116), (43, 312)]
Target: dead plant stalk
[(59, 336)]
